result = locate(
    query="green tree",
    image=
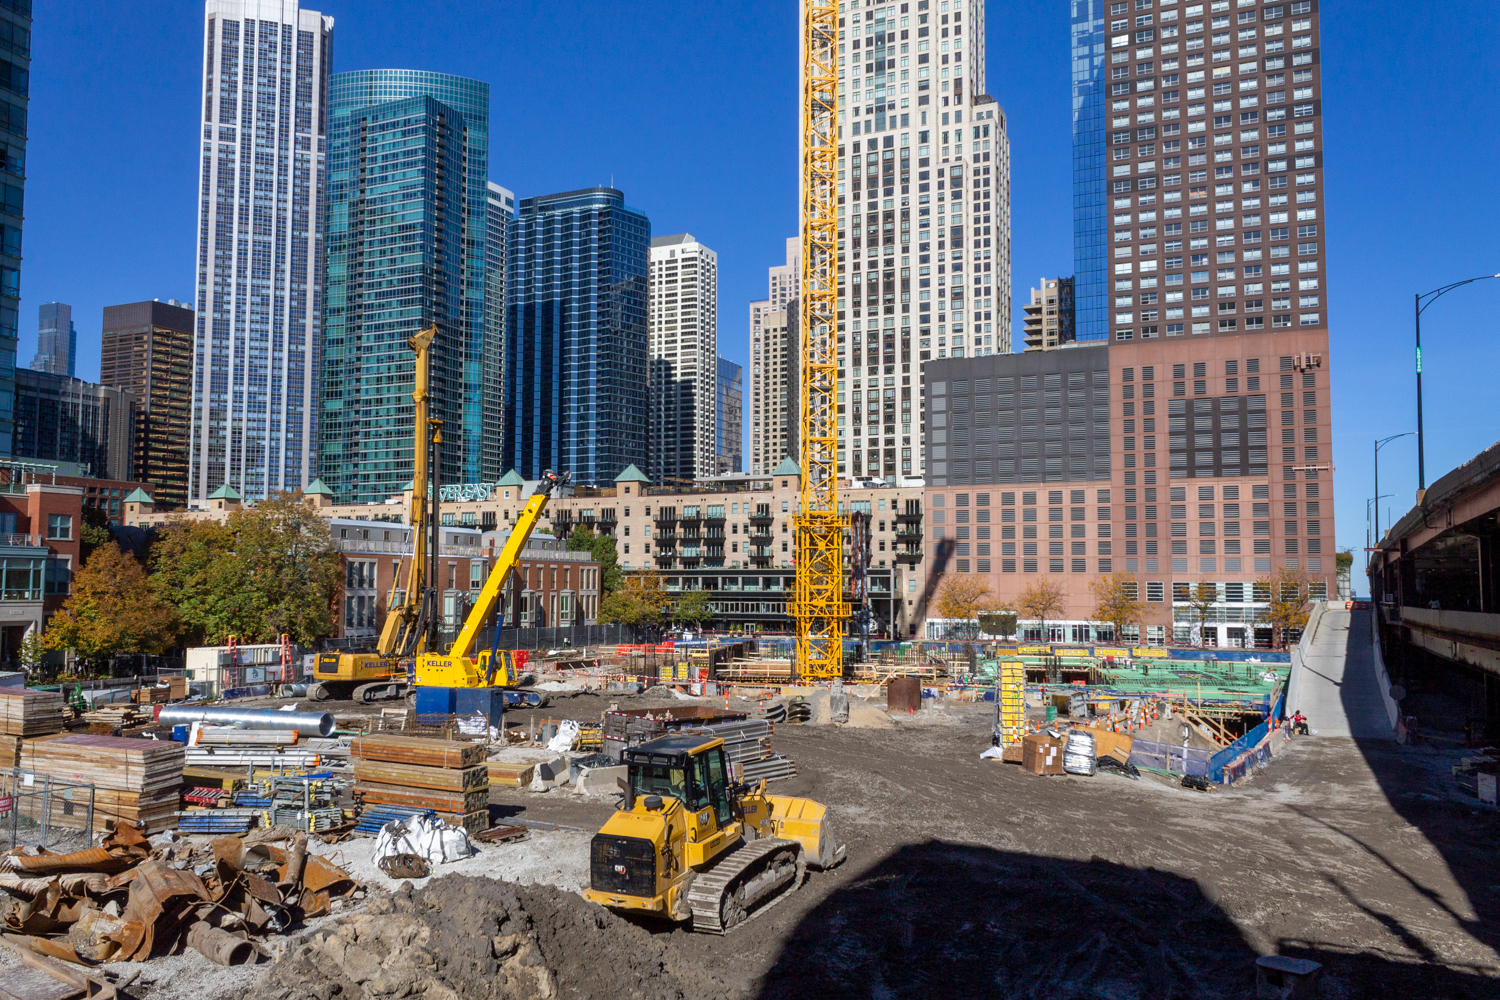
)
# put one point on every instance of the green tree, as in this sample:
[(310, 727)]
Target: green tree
[(263, 572), (95, 530), (1002, 622), (641, 602), (692, 609), (602, 548), (30, 652), (112, 610)]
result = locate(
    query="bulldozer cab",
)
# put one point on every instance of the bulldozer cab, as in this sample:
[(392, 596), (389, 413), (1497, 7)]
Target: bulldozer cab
[(688, 768)]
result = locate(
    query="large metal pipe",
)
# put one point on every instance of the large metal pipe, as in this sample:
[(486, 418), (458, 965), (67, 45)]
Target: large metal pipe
[(247, 718)]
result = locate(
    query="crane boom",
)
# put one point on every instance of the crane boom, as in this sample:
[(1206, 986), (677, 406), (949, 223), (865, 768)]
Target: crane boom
[(818, 604), (505, 564)]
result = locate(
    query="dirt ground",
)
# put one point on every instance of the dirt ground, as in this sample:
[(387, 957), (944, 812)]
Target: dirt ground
[(972, 878)]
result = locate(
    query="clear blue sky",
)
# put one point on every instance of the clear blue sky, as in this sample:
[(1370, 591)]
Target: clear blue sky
[(689, 109)]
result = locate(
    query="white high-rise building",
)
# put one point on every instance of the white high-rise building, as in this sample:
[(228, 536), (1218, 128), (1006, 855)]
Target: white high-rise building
[(785, 280), (683, 345), (257, 355), (768, 366), (924, 239)]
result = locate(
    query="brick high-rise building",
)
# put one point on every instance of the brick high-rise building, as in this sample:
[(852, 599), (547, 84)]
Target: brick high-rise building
[(1203, 164), (147, 349)]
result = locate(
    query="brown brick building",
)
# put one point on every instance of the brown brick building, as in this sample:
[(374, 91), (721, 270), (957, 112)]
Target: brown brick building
[(148, 349), (1182, 461)]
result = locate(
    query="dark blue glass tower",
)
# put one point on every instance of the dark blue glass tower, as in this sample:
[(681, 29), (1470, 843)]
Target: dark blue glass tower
[(575, 366), (407, 242), (1090, 245)]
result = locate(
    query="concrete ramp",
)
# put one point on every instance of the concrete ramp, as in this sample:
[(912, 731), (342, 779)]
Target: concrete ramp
[(1337, 681)]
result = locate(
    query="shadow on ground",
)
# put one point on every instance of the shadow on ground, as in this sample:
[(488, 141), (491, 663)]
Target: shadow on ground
[(1417, 790), (951, 920)]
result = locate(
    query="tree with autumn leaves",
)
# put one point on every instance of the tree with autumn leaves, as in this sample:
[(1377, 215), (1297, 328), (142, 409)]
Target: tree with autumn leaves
[(112, 610), (1117, 603)]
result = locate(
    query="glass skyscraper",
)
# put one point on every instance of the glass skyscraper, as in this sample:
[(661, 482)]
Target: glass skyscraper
[(1090, 244), (260, 248), (575, 365), (56, 339), (729, 428), (408, 152), (15, 101)]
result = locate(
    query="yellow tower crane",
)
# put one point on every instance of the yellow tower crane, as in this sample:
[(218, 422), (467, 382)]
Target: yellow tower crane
[(818, 604)]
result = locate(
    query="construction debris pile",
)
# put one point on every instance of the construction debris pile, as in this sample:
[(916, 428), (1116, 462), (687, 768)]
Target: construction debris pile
[(130, 898), (481, 939)]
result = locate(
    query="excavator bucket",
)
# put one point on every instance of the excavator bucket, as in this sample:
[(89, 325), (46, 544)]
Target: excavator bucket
[(805, 821)]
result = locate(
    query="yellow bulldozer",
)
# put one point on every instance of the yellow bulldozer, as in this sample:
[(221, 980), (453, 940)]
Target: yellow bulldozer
[(689, 843)]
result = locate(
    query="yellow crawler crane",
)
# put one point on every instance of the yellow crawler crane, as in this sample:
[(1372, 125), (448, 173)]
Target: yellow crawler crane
[(459, 667), (688, 843), (818, 604)]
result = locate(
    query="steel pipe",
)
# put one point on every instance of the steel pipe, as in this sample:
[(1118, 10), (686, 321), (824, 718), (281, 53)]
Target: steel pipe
[(320, 723)]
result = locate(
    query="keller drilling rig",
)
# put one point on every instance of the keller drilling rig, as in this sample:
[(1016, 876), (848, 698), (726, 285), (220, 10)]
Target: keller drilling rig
[(818, 604)]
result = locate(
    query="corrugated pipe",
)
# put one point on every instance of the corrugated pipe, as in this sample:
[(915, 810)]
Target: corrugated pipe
[(247, 718)]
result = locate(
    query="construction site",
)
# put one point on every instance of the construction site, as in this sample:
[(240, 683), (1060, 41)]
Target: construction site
[(431, 815)]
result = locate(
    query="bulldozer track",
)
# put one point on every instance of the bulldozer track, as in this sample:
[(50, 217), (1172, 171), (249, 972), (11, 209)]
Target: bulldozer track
[(711, 889)]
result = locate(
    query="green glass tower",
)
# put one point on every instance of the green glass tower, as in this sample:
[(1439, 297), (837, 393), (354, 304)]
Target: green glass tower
[(407, 246)]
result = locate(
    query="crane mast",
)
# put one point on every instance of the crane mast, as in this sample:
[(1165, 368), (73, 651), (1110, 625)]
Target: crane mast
[(818, 604)]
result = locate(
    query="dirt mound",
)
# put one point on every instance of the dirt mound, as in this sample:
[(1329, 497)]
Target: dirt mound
[(473, 938)]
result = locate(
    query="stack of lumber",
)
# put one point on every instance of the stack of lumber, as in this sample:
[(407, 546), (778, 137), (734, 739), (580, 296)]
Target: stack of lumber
[(447, 776), (24, 714), (134, 780), (111, 719)]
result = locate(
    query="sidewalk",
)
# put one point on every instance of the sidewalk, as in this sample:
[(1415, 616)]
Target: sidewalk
[(1337, 687)]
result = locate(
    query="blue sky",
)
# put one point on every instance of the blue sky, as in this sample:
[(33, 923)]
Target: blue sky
[(689, 109)]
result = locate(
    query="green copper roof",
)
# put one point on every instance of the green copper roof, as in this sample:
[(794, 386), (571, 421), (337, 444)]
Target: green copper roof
[(786, 468), (316, 488), (511, 478), (632, 475), (138, 495), (225, 492)]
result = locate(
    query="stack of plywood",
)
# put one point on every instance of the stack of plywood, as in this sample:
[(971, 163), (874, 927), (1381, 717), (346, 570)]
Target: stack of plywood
[(134, 780), (26, 713), (447, 776)]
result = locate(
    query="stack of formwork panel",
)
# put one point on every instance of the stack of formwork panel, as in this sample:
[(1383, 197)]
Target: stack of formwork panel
[(447, 776), (25, 713), (135, 780)]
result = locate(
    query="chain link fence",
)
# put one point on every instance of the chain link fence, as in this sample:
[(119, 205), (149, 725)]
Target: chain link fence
[(38, 810)]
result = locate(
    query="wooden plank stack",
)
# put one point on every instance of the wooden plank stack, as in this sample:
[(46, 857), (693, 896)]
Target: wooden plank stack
[(447, 776), (134, 780), (23, 714)]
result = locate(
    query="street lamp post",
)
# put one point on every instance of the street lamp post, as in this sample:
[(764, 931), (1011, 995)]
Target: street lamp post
[(1421, 307), (1381, 443), (1369, 541)]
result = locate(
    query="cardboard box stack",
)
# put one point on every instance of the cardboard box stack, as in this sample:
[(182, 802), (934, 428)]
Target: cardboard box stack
[(446, 776), (1042, 753)]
